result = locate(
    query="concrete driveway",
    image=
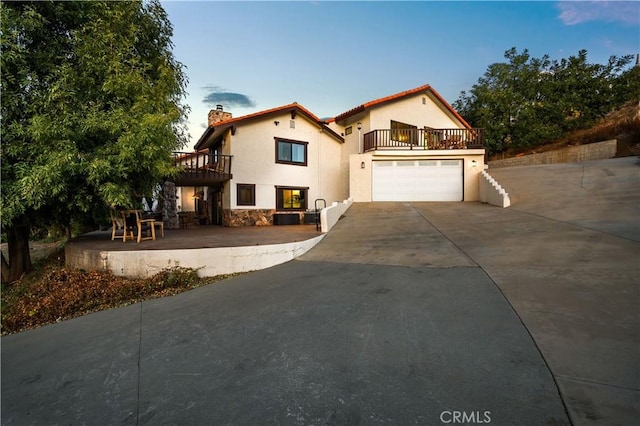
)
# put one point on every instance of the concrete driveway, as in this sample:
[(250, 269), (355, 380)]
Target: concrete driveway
[(398, 317), (567, 257)]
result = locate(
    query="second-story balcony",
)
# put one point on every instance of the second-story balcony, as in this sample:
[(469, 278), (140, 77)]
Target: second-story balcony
[(202, 168), (421, 139)]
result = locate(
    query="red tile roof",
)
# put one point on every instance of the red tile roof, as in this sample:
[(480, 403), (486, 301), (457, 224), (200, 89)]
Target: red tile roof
[(386, 99), (322, 123), (216, 128), (259, 114)]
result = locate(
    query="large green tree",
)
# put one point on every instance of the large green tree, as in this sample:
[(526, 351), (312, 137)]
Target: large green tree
[(91, 112), (527, 101)]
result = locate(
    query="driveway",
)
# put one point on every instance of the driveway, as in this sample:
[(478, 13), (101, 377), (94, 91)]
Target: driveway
[(567, 257), (398, 316)]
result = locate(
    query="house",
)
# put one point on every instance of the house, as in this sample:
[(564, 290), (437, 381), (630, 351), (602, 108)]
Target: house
[(411, 146), (270, 167)]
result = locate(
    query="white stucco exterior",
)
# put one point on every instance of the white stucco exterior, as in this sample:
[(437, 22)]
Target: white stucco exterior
[(336, 167), (254, 161), (361, 168)]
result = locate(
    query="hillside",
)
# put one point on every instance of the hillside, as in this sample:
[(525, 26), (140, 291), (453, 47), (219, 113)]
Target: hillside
[(622, 124)]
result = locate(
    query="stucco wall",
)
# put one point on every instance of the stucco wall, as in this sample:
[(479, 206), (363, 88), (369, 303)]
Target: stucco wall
[(413, 111), (254, 162), (410, 110), (592, 151), (208, 262), (186, 201), (361, 177)]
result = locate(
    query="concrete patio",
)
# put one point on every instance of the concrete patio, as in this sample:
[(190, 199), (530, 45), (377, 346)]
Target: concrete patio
[(212, 250)]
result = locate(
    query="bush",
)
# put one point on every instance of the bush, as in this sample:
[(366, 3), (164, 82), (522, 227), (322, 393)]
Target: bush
[(57, 293)]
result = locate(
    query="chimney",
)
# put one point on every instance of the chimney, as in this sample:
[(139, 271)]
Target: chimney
[(217, 115)]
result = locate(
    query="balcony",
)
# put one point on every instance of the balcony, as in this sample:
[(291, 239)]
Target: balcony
[(421, 139), (202, 168)]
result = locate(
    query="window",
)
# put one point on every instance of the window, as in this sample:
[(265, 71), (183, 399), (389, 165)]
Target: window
[(402, 132), (291, 152), (246, 194), (291, 198)]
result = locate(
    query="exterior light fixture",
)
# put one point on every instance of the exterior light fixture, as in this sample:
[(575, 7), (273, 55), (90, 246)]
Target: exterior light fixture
[(276, 122), (474, 163), (359, 125), (362, 165)]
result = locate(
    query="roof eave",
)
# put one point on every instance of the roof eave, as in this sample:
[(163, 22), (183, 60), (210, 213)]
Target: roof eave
[(448, 106), (331, 132), (205, 136), (212, 132)]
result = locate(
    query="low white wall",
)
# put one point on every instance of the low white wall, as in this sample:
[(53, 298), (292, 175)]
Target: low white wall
[(491, 192), (329, 216), (208, 262)]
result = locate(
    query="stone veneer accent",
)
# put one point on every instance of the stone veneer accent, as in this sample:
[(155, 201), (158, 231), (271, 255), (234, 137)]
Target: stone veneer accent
[(217, 115), (252, 217), (170, 206)]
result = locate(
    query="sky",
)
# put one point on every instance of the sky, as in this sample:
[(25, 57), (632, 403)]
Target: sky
[(332, 56)]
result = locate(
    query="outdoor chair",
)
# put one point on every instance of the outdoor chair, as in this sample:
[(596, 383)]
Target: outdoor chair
[(117, 225), (159, 224), (136, 224)]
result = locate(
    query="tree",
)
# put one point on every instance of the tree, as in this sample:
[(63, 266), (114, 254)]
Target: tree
[(528, 101), (91, 112), (585, 92)]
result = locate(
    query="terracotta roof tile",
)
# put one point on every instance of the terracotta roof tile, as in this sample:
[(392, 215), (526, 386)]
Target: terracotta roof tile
[(396, 96), (232, 122), (425, 88), (268, 112), (322, 123)]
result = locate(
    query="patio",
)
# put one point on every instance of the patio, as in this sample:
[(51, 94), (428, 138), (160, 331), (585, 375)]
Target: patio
[(210, 249)]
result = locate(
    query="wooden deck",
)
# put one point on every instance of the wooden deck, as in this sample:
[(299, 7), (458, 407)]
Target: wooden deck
[(203, 236)]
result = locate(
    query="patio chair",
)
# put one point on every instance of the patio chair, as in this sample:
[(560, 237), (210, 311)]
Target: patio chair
[(117, 225), (135, 223)]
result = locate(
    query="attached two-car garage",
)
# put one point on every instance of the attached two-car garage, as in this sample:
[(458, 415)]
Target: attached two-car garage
[(417, 180)]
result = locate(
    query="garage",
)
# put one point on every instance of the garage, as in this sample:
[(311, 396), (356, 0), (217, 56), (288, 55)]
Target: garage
[(417, 180)]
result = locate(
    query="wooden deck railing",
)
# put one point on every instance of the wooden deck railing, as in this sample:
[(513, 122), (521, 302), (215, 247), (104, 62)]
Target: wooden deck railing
[(424, 139), (202, 168)]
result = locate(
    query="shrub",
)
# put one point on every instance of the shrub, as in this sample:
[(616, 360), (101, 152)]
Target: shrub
[(59, 293)]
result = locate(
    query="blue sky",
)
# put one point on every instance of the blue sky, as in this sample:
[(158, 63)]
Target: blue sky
[(332, 56)]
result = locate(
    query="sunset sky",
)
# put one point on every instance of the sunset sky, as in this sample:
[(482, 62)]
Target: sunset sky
[(331, 56)]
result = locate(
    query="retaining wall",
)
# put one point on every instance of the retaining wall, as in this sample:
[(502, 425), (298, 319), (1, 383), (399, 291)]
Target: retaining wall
[(208, 262), (592, 151), (329, 216)]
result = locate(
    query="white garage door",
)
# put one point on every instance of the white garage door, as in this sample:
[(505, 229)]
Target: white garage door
[(417, 180)]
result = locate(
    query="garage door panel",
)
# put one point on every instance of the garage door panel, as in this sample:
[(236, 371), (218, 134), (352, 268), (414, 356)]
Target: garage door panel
[(420, 180)]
